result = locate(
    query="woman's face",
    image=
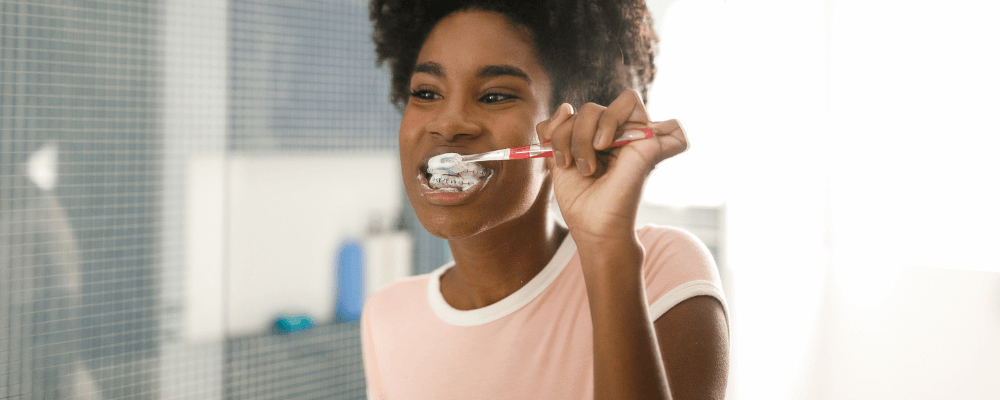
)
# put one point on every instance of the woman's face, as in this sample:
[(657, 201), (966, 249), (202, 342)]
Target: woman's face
[(478, 85)]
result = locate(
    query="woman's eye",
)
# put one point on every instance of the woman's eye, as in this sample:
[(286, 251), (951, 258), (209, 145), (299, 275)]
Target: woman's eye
[(424, 94), (491, 98)]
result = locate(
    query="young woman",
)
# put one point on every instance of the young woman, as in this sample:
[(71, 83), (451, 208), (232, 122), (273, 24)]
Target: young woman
[(532, 308)]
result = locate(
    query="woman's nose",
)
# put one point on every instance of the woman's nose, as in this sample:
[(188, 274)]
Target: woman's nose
[(454, 122)]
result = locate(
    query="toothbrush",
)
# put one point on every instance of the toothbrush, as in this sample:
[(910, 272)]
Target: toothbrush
[(545, 149)]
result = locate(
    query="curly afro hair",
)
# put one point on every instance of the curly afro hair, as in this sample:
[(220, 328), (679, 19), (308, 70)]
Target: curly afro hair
[(592, 50)]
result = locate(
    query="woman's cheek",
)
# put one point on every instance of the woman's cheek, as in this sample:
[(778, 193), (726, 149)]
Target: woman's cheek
[(407, 126), (515, 122), (414, 117)]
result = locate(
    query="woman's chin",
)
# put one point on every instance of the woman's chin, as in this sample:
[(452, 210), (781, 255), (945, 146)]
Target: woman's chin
[(449, 228)]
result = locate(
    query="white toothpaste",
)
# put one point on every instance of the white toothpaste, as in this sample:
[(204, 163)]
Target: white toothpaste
[(448, 171)]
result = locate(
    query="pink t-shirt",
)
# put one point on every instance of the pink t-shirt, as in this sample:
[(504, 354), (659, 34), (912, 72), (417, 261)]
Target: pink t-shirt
[(534, 344)]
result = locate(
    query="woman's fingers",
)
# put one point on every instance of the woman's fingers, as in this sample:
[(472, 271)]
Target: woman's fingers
[(581, 144), (626, 110), (672, 138), (573, 140), (577, 137), (560, 140), (545, 128)]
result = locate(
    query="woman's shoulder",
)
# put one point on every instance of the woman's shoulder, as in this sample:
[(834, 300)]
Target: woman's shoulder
[(663, 235), (678, 266), (676, 253)]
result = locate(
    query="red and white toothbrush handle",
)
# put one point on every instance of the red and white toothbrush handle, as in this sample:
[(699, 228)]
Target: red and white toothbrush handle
[(545, 149)]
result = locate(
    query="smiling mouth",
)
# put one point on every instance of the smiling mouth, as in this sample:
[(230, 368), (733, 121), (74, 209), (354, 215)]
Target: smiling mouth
[(447, 173)]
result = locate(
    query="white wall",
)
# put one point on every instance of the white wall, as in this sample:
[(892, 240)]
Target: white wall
[(279, 222), (852, 144), (912, 306), (929, 333)]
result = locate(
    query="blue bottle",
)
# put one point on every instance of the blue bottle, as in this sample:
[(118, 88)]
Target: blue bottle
[(350, 281)]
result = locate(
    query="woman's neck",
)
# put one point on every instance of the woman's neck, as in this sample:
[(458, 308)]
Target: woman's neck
[(492, 265)]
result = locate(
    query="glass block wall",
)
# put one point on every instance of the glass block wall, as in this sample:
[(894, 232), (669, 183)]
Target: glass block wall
[(103, 104), (303, 78), (80, 205)]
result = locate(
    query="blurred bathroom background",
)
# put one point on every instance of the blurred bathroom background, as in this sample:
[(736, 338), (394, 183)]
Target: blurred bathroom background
[(197, 195)]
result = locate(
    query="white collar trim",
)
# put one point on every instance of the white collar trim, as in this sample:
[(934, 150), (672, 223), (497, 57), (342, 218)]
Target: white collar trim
[(507, 305)]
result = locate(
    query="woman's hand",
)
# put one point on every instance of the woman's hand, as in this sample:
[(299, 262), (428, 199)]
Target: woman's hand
[(598, 186)]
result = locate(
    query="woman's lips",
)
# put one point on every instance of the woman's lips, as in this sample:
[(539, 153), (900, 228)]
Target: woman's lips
[(449, 195)]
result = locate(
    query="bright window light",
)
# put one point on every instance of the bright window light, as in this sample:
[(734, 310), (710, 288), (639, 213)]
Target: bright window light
[(845, 137)]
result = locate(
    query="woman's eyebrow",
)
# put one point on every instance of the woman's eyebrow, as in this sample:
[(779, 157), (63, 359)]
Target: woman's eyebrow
[(430, 67), (491, 71)]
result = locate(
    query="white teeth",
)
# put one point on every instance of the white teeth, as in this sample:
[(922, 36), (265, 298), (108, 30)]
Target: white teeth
[(448, 171), (451, 181)]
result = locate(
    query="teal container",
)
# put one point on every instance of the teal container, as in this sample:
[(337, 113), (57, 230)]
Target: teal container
[(285, 324)]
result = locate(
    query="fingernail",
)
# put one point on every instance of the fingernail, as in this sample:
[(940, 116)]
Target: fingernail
[(583, 165), (564, 110), (597, 138), (560, 160)]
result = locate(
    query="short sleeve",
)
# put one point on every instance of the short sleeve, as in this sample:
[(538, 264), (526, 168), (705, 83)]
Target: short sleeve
[(677, 267)]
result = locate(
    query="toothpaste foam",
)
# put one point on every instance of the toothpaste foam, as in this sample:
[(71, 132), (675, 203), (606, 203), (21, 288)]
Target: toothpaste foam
[(448, 171)]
